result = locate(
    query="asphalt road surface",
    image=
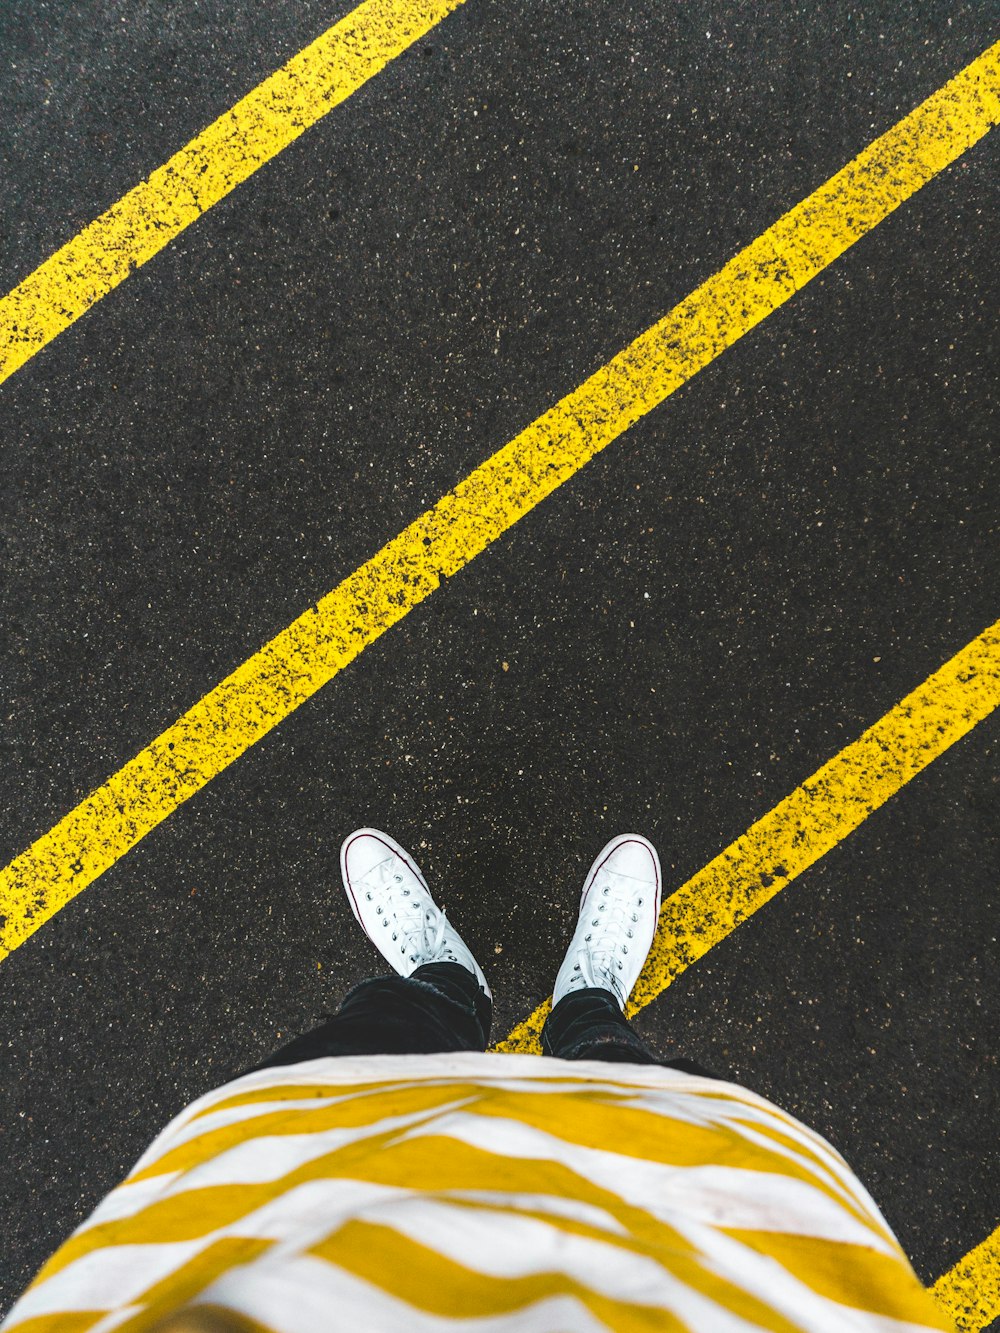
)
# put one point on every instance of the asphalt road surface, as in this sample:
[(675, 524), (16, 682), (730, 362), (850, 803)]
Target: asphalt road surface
[(689, 627)]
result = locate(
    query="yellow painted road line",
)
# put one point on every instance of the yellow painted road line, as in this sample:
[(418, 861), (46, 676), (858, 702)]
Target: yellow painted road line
[(793, 836), (811, 821), (286, 672), (970, 1291), (218, 159)]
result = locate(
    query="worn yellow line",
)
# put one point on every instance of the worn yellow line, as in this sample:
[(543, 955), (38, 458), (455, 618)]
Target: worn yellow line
[(302, 658), (218, 159), (793, 836), (970, 1292), (811, 821)]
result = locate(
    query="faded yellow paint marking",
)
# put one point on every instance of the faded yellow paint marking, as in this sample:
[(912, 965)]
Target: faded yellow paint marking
[(808, 823), (302, 658), (218, 159), (970, 1292)]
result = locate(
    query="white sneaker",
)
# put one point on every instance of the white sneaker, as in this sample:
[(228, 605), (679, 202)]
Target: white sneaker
[(619, 909), (393, 905)]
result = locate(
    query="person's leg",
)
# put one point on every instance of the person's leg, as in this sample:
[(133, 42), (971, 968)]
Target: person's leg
[(438, 1007), (587, 1024), (619, 909), (440, 1001)]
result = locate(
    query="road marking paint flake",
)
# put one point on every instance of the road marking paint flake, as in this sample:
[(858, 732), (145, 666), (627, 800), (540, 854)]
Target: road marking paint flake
[(970, 1291)]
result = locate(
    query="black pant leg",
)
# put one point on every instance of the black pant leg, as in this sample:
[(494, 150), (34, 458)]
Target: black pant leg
[(587, 1024), (440, 1007)]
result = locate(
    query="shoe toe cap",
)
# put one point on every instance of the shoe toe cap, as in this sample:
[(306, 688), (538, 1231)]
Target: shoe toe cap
[(635, 857), (362, 851)]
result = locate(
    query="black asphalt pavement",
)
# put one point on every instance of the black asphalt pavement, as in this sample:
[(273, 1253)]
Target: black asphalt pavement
[(717, 604)]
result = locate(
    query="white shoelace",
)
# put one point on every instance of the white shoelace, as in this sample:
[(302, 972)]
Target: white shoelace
[(422, 927), (608, 932)]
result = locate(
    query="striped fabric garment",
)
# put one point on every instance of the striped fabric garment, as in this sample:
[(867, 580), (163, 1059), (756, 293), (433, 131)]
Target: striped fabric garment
[(489, 1193)]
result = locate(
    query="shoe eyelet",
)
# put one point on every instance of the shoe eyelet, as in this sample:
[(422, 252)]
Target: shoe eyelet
[(594, 922), (368, 896), (394, 935), (587, 938), (635, 918), (378, 911), (606, 890), (624, 950), (576, 967), (385, 921), (619, 967), (639, 902), (601, 907)]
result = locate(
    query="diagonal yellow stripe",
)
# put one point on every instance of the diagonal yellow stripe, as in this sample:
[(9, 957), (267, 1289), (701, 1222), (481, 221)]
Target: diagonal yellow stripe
[(970, 1292), (793, 836), (302, 658), (808, 823), (205, 170)]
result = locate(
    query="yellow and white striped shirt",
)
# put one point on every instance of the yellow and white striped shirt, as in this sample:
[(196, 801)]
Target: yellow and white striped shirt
[(490, 1193)]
